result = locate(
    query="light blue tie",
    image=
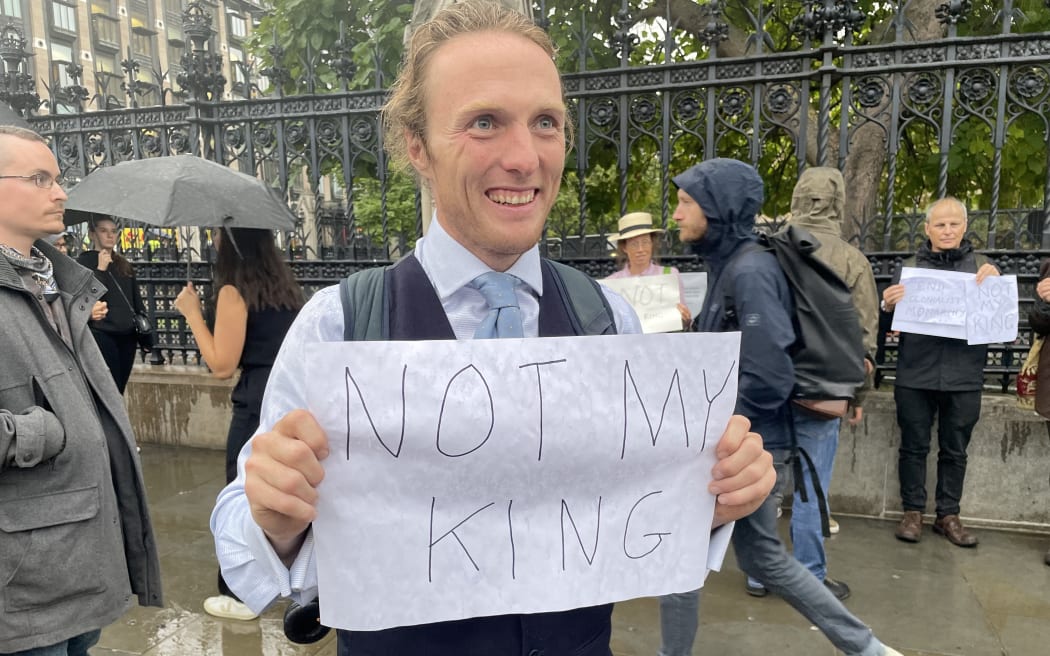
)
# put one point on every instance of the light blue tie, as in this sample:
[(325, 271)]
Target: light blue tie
[(504, 317)]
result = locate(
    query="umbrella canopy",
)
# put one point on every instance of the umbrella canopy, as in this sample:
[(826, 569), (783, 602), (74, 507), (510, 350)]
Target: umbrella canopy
[(180, 190)]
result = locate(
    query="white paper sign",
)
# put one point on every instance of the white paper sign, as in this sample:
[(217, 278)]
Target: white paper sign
[(952, 304), (991, 310), (654, 298), (695, 285), (484, 477)]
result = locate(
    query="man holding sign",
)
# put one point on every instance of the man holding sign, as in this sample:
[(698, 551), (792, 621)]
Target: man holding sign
[(478, 113), (937, 377)]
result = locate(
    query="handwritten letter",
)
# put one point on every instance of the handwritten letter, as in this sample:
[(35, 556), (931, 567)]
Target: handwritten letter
[(472, 478)]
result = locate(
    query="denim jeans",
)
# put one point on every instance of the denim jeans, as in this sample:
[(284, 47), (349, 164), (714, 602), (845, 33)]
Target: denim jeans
[(75, 646), (820, 439), (957, 414), (761, 554)]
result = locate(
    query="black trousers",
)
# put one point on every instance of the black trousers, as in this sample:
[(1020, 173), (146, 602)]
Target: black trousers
[(119, 353), (957, 414)]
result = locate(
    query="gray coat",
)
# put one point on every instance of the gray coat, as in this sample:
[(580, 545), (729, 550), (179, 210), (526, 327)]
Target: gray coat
[(75, 535)]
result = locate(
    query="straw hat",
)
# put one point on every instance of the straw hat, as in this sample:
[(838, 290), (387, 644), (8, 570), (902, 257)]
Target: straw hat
[(633, 225)]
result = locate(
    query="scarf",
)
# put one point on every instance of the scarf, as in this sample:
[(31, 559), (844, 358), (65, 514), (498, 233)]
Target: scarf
[(38, 266)]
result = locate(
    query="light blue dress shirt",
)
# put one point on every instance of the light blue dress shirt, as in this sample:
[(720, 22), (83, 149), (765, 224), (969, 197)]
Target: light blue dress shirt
[(249, 564)]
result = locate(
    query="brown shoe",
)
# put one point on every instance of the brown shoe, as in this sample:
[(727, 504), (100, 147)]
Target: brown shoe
[(910, 528), (950, 527)]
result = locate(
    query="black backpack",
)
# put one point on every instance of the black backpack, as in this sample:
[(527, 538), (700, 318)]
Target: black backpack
[(828, 353)]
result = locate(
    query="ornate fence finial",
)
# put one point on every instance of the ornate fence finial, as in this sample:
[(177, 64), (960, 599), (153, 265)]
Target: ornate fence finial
[(277, 75), (819, 19), (342, 62), (74, 94), (17, 88), (623, 41), (202, 70), (953, 12), (716, 29)]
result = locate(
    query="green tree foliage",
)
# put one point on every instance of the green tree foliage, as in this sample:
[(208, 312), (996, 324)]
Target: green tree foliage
[(590, 36)]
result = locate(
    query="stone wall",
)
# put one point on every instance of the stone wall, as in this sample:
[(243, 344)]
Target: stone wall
[(1008, 478)]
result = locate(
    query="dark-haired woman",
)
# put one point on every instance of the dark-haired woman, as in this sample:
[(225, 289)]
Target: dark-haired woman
[(115, 330), (256, 300)]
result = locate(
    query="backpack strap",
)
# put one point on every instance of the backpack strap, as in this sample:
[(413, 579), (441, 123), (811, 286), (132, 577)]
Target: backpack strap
[(795, 460), (729, 316), (363, 300), (590, 310)]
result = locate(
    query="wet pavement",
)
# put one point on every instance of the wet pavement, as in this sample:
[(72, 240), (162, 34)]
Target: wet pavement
[(926, 599)]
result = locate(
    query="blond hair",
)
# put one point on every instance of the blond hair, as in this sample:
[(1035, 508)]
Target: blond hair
[(947, 200), (405, 111)]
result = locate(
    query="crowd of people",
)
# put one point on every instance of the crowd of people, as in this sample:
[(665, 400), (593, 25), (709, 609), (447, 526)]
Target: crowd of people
[(477, 113)]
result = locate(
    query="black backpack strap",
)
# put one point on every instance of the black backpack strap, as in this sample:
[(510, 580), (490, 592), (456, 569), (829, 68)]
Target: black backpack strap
[(590, 308), (729, 316), (363, 300), (798, 454)]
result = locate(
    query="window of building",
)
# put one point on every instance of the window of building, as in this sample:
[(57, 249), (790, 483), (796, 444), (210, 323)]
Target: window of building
[(109, 64), (104, 7), (63, 16), (61, 56), (175, 53), (105, 31), (238, 26), (236, 59), (173, 6), (11, 8)]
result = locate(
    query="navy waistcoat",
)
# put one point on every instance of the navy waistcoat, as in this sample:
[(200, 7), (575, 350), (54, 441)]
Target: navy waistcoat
[(415, 312)]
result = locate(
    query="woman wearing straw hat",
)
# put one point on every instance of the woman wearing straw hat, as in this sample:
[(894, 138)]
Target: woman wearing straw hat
[(635, 243)]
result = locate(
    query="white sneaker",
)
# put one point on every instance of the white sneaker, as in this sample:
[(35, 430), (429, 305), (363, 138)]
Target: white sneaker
[(228, 608), (833, 528), (890, 651)]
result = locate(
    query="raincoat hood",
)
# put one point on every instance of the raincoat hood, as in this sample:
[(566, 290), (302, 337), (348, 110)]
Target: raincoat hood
[(818, 202), (730, 193)]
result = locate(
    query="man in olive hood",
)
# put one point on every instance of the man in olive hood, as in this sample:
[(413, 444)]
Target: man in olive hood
[(818, 204)]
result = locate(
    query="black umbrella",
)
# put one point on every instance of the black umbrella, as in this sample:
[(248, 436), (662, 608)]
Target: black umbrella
[(180, 190)]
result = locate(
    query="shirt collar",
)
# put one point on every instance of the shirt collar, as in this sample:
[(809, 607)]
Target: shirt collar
[(450, 266)]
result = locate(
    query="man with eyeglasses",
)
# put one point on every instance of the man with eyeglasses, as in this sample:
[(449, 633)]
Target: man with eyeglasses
[(75, 534)]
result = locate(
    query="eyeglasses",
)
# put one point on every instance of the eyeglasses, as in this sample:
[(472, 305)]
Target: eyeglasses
[(41, 180)]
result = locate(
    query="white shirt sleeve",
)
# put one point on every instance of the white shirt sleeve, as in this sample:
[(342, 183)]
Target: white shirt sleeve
[(249, 564)]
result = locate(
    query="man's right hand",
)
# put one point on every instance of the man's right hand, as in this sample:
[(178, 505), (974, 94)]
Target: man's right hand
[(281, 478)]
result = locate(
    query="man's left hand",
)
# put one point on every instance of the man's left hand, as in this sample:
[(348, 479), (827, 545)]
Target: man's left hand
[(743, 475)]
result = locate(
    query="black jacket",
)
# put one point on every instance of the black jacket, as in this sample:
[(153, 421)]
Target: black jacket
[(730, 193), (118, 319), (941, 363)]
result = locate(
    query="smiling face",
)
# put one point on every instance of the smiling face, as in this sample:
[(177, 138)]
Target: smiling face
[(494, 146), (946, 225), (28, 212)]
